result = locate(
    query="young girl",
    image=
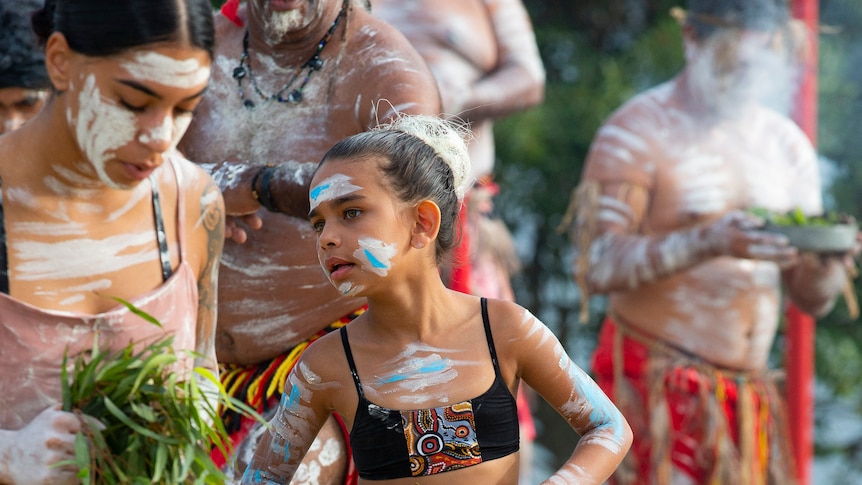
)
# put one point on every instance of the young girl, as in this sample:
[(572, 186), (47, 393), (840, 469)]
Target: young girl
[(97, 203), (425, 379)]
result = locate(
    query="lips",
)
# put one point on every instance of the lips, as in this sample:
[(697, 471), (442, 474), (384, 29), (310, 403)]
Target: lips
[(138, 172), (338, 268)]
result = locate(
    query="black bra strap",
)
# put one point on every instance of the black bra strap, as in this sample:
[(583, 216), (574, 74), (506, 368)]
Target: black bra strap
[(489, 337), (161, 236), (4, 263), (350, 362)]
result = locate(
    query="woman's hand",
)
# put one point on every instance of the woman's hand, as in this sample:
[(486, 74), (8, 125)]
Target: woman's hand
[(30, 454)]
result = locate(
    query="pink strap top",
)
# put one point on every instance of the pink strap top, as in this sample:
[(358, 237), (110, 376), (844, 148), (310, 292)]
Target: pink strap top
[(33, 341)]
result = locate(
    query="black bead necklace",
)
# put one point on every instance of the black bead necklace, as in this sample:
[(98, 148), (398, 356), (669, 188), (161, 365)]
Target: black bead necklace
[(313, 64)]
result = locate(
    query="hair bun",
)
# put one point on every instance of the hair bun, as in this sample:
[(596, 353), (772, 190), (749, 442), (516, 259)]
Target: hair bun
[(43, 21), (447, 138)]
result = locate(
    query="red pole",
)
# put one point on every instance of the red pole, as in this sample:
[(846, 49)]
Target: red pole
[(799, 359)]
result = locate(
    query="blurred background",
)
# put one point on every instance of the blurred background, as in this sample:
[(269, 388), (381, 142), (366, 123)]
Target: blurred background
[(598, 54)]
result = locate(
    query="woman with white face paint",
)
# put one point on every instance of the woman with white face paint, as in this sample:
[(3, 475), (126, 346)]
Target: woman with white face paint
[(425, 379), (97, 203)]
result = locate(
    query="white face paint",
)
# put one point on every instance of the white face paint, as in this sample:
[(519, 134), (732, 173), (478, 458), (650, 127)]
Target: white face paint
[(729, 71), (336, 186), (277, 24), (165, 70), (349, 289), (101, 127), (376, 256)]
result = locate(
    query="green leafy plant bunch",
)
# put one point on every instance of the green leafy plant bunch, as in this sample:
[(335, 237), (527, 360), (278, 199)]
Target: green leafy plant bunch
[(796, 217), (141, 421)]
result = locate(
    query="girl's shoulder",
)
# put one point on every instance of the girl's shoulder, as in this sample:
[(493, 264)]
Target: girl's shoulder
[(510, 321), (326, 357)]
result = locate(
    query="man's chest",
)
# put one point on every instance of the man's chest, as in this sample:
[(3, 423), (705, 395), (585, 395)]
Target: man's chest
[(699, 181)]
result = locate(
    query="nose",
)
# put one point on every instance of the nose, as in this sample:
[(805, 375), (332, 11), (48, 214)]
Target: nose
[(328, 237), (156, 133), (11, 121)]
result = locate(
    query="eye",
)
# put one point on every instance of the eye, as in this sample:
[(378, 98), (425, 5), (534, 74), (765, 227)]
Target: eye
[(133, 108), (178, 112), (317, 225), (351, 213)]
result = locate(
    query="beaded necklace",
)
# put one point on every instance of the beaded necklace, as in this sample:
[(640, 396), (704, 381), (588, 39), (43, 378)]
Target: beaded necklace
[(313, 64)]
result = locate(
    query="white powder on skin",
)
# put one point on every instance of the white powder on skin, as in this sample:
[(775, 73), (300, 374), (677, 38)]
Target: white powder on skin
[(333, 187), (588, 400), (348, 289), (412, 375), (101, 127), (165, 70), (81, 258), (226, 175), (375, 255), (571, 473)]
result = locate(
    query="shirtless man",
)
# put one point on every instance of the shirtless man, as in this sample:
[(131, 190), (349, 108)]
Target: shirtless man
[(695, 287), (24, 84), (484, 56), (274, 296)]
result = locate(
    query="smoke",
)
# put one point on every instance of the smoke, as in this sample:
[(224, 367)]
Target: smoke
[(732, 69)]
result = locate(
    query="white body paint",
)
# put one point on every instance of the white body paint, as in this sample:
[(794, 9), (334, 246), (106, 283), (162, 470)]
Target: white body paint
[(375, 255), (419, 375), (334, 187), (662, 275), (101, 127), (165, 70)]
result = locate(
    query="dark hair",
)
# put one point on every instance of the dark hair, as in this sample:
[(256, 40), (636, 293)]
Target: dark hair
[(22, 63), (709, 16), (106, 27), (415, 172)]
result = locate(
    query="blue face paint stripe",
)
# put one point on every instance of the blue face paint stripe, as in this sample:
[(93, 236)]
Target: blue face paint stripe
[(376, 263), (315, 193)]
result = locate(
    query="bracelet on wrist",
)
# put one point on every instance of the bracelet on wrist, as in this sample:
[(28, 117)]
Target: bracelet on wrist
[(263, 194)]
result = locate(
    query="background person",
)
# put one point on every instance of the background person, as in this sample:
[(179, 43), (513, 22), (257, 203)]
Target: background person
[(695, 287), (107, 208), (428, 398), (290, 79), (24, 84)]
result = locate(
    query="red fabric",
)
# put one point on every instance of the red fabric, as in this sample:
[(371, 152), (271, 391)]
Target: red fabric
[(229, 10), (352, 477), (685, 386), (460, 278)]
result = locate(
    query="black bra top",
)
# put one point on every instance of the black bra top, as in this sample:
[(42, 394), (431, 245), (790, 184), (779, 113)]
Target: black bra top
[(389, 444), (161, 237)]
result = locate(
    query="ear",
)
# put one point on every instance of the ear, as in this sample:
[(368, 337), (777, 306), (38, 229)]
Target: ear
[(58, 57), (426, 226)]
